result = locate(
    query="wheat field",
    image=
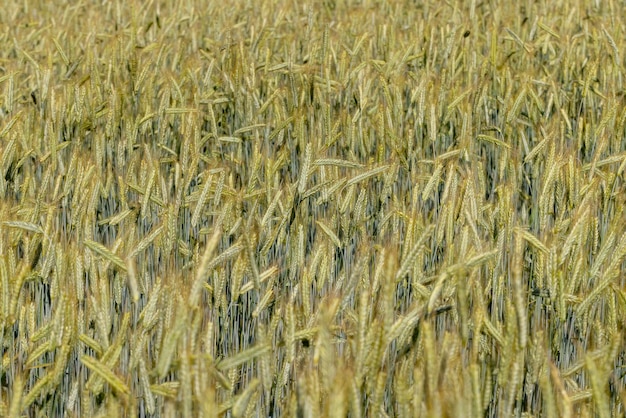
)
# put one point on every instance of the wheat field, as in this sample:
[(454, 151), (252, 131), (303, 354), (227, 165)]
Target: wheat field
[(314, 209)]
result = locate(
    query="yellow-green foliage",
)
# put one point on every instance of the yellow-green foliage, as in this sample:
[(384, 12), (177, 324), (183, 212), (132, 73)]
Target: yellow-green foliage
[(324, 208)]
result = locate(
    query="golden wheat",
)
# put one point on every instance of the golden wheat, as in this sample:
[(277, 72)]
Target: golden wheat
[(321, 210)]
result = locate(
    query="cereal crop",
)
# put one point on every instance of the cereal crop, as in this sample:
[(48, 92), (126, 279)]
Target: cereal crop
[(333, 208)]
